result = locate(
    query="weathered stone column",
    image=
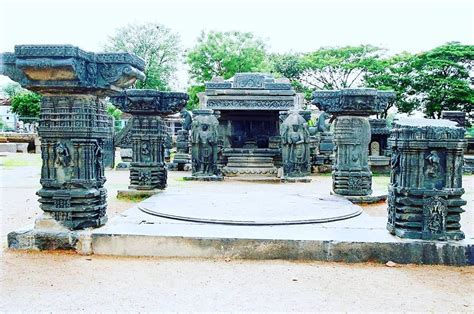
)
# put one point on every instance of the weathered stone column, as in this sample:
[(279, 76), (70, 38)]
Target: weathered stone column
[(425, 190), (204, 149), (73, 123), (352, 107), (149, 135)]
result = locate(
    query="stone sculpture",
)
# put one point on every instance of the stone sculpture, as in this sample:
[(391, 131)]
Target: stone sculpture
[(149, 134), (351, 173), (74, 124), (424, 200), (204, 137), (295, 140), (182, 158), (325, 156)]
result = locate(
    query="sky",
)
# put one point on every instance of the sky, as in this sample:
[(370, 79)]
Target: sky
[(286, 25)]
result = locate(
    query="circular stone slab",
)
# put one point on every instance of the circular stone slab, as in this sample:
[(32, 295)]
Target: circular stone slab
[(253, 207)]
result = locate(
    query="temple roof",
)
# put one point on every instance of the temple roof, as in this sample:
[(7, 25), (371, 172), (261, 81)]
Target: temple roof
[(250, 91)]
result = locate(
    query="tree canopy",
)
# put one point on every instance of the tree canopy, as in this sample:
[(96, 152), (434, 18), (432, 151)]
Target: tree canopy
[(157, 45), (26, 104), (223, 54)]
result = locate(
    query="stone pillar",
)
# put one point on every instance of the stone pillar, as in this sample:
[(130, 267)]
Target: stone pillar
[(204, 149), (352, 107), (424, 200), (149, 134), (73, 123), (182, 158)]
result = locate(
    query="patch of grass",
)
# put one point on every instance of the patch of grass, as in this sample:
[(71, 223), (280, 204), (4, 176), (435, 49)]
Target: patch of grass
[(133, 199), (20, 160)]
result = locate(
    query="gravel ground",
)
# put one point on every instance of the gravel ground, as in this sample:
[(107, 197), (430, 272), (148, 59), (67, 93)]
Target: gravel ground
[(64, 281)]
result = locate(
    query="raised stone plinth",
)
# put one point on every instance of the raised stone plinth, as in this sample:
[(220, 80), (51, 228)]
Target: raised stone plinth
[(351, 172), (74, 126), (425, 188), (379, 164), (148, 134)]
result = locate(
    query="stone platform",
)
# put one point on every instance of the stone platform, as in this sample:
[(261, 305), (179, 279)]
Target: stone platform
[(248, 208), (359, 239)]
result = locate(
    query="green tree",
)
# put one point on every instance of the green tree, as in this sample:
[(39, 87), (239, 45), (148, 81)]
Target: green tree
[(328, 68), (442, 79), (392, 73), (193, 91), (157, 45), (26, 104), (338, 67), (223, 54), (113, 111), (291, 66), (432, 81)]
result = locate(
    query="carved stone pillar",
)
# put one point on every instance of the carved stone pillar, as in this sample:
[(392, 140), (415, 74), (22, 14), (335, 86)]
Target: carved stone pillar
[(149, 134), (352, 107), (424, 200), (73, 123)]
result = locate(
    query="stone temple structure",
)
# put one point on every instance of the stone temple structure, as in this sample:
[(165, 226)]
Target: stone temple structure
[(425, 188), (248, 109), (73, 124), (149, 135), (379, 159), (352, 107)]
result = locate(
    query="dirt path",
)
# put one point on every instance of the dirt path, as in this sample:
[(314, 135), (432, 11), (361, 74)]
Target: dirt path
[(63, 281)]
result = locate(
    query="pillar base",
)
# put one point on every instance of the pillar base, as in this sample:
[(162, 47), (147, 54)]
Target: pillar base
[(363, 199), (350, 183), (145, 176)]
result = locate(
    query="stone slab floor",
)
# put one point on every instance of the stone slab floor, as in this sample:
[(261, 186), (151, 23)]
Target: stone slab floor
[(64, 281)]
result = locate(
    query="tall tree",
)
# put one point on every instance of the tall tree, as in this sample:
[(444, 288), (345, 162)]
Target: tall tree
[(393, 73), (223, 54), (157, 45), (442, 79), (339, 67), (432, 81)]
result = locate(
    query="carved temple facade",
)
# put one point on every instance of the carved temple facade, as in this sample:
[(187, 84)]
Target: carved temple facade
[(250, 109)]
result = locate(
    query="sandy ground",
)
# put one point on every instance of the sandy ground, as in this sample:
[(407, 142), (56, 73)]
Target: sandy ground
[(64, 281)]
